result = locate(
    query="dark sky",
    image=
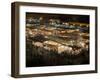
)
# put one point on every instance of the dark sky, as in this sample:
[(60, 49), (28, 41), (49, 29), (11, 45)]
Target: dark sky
[(61, 17)]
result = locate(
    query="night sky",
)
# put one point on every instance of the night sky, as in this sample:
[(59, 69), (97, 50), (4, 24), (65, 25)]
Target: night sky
[(61, 17)]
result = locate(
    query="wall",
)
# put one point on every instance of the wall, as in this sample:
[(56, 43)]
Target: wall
[(5, 40)]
